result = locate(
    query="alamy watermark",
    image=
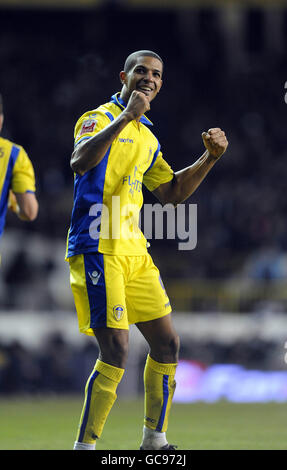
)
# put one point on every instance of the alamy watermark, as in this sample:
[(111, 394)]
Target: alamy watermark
[(154, 221)]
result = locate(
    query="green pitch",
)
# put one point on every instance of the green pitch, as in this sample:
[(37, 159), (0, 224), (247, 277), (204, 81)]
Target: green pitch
[(50, 424)]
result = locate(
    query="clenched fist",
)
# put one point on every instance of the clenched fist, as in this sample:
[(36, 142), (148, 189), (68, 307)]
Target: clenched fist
[(215, 142), (12, 203), (138, 105)]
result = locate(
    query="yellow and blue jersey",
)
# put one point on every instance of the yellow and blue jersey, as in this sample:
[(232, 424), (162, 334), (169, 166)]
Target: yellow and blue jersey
[(16, 173), (108, 198)]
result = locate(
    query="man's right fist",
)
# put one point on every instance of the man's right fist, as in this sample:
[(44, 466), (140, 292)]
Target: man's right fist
[(138, 104)]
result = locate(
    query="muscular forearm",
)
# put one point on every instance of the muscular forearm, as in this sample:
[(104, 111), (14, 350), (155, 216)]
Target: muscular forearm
[(90, 153), (26, 207), (188, 179), (185, 181)]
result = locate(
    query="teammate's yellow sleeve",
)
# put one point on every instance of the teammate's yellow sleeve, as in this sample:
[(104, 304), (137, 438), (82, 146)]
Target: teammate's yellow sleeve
[(158, 174), (23, 176), (90, 124)]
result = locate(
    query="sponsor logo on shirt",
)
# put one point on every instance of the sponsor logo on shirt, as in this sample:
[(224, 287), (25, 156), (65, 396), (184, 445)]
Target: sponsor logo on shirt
[(87, 126), (126, 141), (134, 183)]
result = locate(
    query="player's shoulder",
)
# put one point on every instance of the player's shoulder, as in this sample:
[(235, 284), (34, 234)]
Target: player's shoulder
[(102, 111), (8, 144)]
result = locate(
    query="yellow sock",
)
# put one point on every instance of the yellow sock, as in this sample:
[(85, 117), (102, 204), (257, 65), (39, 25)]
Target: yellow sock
[(159, 389), (100, 395)]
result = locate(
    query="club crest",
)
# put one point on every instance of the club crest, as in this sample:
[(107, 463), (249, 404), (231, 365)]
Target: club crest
[(118, 312)]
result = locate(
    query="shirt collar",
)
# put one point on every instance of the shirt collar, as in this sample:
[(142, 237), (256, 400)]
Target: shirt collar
[(119, 102)]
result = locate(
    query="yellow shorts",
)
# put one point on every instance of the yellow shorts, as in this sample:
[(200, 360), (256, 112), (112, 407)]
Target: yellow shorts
[(116, 291)]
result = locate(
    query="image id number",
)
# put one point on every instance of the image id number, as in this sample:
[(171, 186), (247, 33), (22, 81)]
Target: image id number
[(166, 459)]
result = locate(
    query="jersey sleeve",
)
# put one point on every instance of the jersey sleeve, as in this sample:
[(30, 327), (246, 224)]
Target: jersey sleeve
[(159, 173), (90, 124), (23, 176)]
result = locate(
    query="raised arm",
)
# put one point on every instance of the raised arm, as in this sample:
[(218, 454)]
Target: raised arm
[(91, 152), (186, 181)]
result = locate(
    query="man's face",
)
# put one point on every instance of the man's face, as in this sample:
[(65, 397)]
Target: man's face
[(1, 121), (144, 76)]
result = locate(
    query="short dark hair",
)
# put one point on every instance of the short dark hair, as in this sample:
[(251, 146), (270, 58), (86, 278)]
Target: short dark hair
[(1, 104), (132, 58)]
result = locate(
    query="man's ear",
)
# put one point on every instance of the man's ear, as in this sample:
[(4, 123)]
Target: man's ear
[(123, 77), (1, 121)]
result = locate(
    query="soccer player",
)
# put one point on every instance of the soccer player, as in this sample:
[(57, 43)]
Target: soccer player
[(113, 278), (17, 180)]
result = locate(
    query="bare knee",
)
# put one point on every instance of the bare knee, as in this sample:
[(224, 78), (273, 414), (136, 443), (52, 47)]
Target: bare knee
[(113, 346), (166, 350), (173, 347), (119, 350)]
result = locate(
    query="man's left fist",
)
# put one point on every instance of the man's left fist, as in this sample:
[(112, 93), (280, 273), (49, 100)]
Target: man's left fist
[(215, 142)]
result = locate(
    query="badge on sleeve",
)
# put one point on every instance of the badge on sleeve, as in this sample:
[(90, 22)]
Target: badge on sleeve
[(87, 126)]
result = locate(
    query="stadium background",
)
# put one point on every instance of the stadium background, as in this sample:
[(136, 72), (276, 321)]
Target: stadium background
[(225, 65)]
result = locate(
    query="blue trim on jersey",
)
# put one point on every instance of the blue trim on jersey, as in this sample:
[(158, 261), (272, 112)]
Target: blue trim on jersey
[(6, 186), (83, 138), (88, 190), (154, 157), (92, 379), (119, 102), (96, 288), (110, 116), (164, 405)]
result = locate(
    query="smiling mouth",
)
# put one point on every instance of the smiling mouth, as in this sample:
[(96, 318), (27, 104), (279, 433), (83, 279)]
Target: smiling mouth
[(145, 89)]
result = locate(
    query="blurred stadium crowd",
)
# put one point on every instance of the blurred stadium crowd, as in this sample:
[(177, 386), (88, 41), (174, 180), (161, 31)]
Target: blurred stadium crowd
[(223, 68), (62, 368), (219, 71)]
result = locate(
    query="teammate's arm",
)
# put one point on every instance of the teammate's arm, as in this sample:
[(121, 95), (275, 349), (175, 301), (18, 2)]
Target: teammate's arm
[(24, 205), (186, 181), (90, 153)]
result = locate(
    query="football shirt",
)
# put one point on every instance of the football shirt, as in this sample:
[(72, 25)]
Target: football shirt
[(16, 173), (108, 198)]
